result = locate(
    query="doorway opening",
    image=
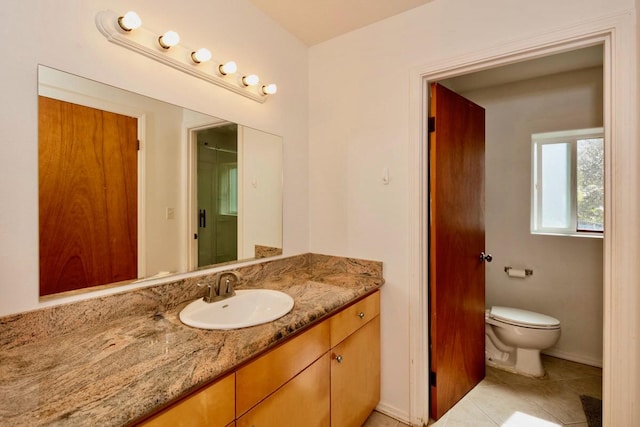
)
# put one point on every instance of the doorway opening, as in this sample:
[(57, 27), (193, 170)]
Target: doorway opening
[(217, 188), (469, 66), (558, 92)]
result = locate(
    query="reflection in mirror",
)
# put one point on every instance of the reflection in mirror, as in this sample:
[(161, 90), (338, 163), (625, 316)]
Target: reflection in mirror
[(132, 188), (217, 189)]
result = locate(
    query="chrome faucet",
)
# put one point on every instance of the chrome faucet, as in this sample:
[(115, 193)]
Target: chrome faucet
[(222, 286)]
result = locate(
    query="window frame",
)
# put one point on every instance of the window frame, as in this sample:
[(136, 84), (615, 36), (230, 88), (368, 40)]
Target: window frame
[(570, 137)]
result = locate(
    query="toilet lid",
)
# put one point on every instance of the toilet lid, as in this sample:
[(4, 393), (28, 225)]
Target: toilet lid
[(517, 317)]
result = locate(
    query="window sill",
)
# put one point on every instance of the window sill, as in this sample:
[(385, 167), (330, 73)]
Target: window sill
[(584, 234)]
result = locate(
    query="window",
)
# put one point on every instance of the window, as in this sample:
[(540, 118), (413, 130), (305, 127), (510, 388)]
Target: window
[(568, 182), (228, 189)]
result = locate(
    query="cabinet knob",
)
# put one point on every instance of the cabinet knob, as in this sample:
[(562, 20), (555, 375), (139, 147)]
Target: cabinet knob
[(339, 358), (361, 315)]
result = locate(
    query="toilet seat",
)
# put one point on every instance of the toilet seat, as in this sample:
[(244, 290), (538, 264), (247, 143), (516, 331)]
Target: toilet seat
[(524, 318)]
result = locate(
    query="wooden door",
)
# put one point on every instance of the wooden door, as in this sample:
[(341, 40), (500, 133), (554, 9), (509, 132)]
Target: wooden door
[(88, 201), (456, 282)]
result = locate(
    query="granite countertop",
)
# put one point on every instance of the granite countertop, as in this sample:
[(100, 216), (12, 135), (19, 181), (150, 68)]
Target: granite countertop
[(113, 373)]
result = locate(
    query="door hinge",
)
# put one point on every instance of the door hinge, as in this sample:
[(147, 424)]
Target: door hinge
[(195, 236), (432, 379), (431, 124), (138, 142)]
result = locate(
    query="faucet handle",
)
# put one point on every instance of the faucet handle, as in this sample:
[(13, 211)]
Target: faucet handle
[(210, 293), (229, 284)]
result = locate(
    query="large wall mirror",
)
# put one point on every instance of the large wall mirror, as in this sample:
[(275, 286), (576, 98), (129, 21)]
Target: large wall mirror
[(132, 188)]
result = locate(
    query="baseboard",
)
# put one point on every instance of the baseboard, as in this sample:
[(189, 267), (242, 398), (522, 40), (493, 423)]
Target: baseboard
[(574, 357), (393, 412)]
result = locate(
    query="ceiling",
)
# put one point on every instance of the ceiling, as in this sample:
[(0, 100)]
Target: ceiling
[(314, 21)]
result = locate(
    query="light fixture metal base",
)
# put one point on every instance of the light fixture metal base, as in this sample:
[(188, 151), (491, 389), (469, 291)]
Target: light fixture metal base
[(178, 57)]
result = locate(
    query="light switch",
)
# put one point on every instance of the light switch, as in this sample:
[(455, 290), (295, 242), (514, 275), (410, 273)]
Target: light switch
[(170, 213), (385, 176)]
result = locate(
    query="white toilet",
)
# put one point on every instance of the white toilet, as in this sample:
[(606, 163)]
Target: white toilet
[(515, 337)]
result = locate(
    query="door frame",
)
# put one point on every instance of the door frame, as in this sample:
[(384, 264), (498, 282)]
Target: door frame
[(614, 33)]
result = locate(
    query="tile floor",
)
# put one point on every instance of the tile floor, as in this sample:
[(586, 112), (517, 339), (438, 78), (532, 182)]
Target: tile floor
[(508, 400)]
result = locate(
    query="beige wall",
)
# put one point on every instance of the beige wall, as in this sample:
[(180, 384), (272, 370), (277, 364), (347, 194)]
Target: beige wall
[(358, 124), (567, 280), (361, 120)]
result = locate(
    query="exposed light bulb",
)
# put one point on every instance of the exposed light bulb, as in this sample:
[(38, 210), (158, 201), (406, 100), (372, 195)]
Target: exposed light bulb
[(228, 68), (201, 55), (130, 21), (168, 39), (250, 80), (269, 89)]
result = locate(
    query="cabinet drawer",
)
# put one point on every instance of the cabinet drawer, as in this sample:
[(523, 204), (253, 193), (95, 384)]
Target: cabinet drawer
[(351, 318), (212, 406), (303, 401), (258, 379)]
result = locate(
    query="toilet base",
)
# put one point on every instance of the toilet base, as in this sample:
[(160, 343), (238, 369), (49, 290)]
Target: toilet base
[(520, 361)]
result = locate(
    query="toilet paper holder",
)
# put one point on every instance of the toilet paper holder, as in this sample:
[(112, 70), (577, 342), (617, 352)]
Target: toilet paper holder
[(527, 271)]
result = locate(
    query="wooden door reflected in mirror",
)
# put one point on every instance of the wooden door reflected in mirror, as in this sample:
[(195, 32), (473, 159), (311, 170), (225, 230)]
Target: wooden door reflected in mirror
[(87, 196)]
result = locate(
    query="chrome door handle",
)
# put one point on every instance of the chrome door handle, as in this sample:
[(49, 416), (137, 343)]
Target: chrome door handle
[(485, 257)]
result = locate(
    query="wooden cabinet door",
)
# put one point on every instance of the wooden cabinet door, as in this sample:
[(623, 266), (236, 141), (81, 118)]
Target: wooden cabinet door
[(266, 374), (303, 401), (213, 406), (355, 376)]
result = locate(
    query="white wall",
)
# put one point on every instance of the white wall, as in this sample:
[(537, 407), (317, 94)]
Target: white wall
[(63, 35), (360, 122), (567, 280)]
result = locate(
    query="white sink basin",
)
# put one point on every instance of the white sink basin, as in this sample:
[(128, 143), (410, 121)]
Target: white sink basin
[(248, 307)]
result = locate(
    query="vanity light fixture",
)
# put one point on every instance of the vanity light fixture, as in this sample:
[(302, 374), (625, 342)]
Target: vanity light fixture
[(201, 55), (118, 29), (250, 80), (129, 21), (169, 39), (228, 68)]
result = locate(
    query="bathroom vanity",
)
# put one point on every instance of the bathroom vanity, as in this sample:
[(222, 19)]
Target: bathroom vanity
[(127, 359), (326, 375)]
